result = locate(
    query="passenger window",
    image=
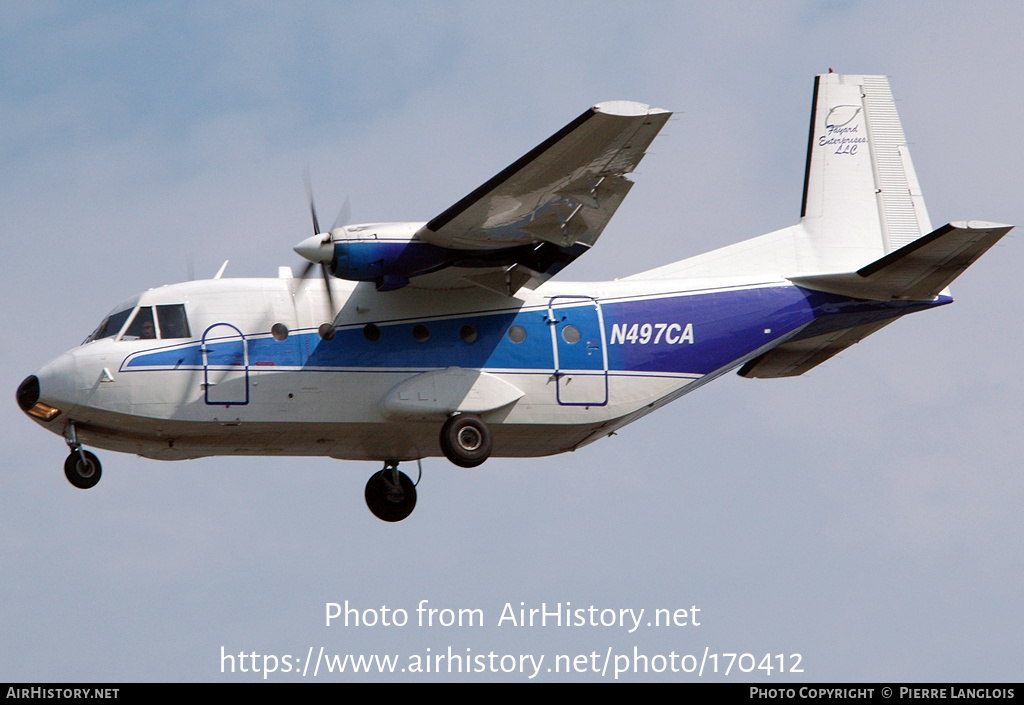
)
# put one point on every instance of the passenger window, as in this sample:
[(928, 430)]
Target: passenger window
[(142, 327), (173, 322)]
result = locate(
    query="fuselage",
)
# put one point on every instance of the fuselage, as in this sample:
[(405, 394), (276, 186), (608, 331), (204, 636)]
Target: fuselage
[(248, 367)]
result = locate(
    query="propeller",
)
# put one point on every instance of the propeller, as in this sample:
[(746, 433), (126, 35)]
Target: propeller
[(319, 249)]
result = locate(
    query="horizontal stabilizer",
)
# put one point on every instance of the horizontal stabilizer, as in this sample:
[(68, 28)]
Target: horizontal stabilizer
[(919, 270), (796, 357)]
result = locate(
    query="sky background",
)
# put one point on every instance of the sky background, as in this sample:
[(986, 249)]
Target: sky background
[(865, 515)]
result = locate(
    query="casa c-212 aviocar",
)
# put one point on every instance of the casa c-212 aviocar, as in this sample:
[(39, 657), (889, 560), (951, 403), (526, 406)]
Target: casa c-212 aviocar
[(447, 337)]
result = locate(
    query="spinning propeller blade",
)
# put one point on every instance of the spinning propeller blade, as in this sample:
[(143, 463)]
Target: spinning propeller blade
[(319, 249), (309, 194), (344, 215)]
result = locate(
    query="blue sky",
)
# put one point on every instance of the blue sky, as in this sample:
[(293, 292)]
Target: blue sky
[(864, 515)]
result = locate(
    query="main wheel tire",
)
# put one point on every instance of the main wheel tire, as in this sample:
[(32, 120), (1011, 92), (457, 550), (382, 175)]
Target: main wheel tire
[(83, 474), (466, 440), (388, 501)]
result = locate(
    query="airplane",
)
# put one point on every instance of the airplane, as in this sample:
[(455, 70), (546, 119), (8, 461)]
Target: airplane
[(450, 337)]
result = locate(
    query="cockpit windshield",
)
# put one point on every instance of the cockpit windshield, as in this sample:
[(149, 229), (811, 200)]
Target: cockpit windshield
[(110, 327), (169, 321)]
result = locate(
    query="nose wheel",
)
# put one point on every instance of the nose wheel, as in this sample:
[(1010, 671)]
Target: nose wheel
[(390, 494), (82, 468)]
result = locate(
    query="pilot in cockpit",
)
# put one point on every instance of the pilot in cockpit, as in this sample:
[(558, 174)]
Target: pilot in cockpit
[(143, 327)]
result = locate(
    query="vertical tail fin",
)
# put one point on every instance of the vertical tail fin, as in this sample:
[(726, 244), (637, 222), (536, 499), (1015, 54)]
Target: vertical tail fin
[(860, 189), (861, 198)]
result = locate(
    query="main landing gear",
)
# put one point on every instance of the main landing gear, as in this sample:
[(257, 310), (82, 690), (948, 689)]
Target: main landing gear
[(466, 440), (82, 468), (390, 494)]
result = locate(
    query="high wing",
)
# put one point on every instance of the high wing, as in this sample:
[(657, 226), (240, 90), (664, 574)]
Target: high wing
[(546, 209)]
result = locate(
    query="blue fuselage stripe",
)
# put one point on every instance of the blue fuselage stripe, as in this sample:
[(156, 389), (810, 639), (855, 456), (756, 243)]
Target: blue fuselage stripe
[(675, 334)]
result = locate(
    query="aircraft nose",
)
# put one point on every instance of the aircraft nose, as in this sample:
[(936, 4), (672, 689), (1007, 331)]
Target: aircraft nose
[(28, 399), (50, 391)]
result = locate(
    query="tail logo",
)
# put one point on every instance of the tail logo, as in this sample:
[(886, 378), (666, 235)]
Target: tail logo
[(840, 133)]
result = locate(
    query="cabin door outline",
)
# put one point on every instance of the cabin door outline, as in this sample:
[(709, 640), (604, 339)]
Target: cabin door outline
[(580, 353), (225, 366)]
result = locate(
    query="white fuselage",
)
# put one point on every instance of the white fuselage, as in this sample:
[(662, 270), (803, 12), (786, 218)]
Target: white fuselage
[(233, 388)]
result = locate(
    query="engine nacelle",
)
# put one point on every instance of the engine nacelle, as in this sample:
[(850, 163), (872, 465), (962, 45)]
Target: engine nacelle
[(386, 254), (389, 264), (390, 254)]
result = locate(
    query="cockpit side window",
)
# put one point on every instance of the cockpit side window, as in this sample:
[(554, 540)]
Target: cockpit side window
[(173, 322), (142, 327), (111, 326)]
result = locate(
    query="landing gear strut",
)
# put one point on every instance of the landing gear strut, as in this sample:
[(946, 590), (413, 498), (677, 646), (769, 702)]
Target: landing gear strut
[(390, 494), (82, 468), (466, 440)]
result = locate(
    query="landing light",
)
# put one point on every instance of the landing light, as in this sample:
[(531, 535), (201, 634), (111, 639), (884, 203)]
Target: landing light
[(43, 411)]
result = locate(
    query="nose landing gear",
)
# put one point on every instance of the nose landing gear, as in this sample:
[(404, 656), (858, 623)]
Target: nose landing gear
[(390, 494), (82, 468)]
